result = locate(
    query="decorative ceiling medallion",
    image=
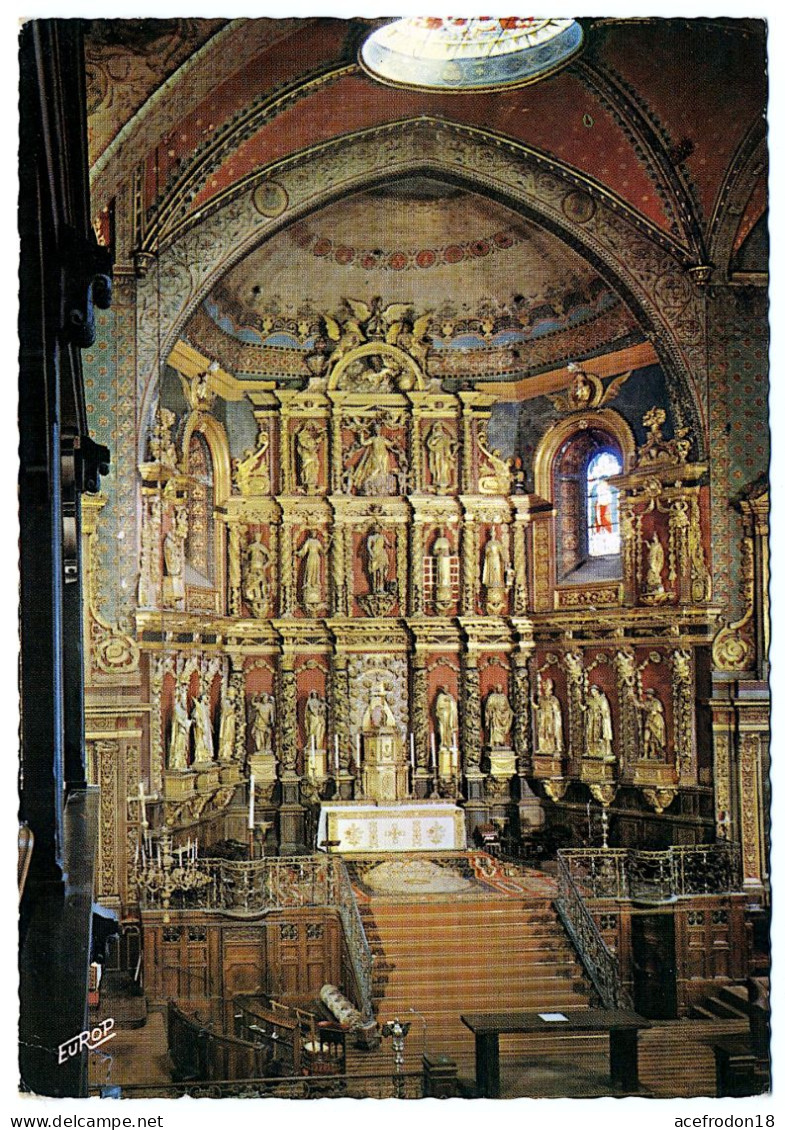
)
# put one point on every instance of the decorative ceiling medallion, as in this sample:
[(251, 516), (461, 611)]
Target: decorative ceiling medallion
[(270, 199), (469, 53)]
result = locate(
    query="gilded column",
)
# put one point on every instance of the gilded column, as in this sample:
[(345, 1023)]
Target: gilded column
[(573, 665), (337, 573), (722, 734), (287, 713), (520, 588), (348, 568), (237, 682), (417, 552), (339, 709), (401, 567), (157, 756), (288, 479), (419, 721), (628, 695), (467, 453), (752, 853), (336, 452), (471, 711), (415, 452), (629, 548), (286, 566), (521, 705), (236, 531), (469, 561), (683, 699)]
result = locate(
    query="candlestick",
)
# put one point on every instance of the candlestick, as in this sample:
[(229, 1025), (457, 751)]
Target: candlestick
[(251, 802), (433, 750), (411, 748), (359, 746)]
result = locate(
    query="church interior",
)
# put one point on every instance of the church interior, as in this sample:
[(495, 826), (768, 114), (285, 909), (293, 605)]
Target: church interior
[(394, 557)]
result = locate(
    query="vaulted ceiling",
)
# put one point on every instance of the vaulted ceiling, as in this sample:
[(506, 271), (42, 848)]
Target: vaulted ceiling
[(664, 118)]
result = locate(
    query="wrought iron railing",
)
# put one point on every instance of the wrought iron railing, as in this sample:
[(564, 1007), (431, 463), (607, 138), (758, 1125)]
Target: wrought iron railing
[(359, 1085), (655, 876), (599, 962), (360, 954)]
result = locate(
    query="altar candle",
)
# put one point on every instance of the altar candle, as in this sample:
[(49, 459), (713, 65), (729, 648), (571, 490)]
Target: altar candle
[(359, 755), (433, 750), (337, 759), (136, 855), (251, 801), (411, 748)]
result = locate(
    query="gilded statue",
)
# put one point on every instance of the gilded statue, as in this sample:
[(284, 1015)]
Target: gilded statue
[(162, 449), (373, 471), (174, 559), (227, 732), (599, 726), (378, 560), (493, 573), (441, 457), (252, 472), (378, 713), (498, 718), (550, 737), (308, 442), (655, 563), (310, 553), (203, 730), (315, 721), (446, 713), (262, 723), (495, 475), (257, 580), (653, 727), (442, 556), (181, 730)]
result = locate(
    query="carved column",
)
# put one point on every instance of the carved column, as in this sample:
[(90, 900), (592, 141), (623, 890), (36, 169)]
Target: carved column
[(627, 688), (339, 709), (520, 688), (237, 681), (415, 451), (471, 713), (419, 720), (520, 589), (336, 447), (401, 568), (286, 565), (149, 589), (576, 678), (752, 764), (157, 755), (725, 820), (467, 453), (292, 814), (629, 548), (470, 587), (683, 676), (417, 552), (236, 531), (337, 574)]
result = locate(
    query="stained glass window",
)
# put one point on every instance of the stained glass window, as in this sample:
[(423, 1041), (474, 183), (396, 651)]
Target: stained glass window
[(603, 504)]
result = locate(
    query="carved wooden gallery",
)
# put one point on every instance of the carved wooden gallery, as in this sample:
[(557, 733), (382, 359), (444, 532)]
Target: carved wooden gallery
[(394, 556)]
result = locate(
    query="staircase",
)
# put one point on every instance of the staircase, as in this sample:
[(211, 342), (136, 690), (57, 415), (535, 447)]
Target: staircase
[(444, 958)]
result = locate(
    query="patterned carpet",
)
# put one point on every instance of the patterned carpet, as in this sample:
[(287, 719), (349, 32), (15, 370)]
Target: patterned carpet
[(457, 875)]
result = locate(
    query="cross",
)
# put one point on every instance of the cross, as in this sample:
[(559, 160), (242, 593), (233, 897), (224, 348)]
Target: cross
[(141, 798)]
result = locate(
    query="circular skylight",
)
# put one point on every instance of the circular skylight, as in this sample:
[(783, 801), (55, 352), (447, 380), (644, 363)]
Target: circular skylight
[(469, 53)]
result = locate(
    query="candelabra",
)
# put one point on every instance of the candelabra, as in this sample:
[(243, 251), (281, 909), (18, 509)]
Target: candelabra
[(398, 1031)]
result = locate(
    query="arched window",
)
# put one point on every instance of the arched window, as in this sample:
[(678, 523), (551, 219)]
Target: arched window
[(602, 504)]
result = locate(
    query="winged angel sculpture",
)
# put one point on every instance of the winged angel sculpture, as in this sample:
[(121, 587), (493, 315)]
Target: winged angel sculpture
[(386, 340)]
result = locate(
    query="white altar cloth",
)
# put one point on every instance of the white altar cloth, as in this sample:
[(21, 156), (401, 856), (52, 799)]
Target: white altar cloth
[(364, 826)]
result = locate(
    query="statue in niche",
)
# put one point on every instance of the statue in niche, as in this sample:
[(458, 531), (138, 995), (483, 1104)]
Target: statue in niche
[(549, 721), (310, 553), (446, 713), (251, 472), (441, 456), (181, 730), (655, 563), (262, 723), (498, 718), (203, 730), (227, 733), (442, 555), (174, 559), (315, 721), (257, 581), (653, 727), (599, 726), (378, 561), (372, 473), (378, 714), (308, 442), (493, 573)]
